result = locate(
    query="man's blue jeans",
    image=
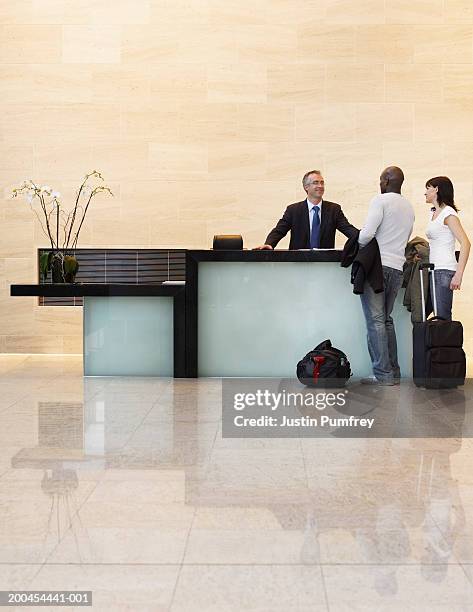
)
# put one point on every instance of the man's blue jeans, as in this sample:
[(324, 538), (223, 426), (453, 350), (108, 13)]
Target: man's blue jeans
[(377, 308)]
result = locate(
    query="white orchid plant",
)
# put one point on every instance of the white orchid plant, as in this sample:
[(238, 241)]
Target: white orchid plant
[(61, 227)]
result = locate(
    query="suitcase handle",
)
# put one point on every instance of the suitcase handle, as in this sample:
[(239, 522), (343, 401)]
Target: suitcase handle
[(438, 319), (430, 267)]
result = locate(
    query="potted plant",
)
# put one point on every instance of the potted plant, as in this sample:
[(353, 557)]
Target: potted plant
[(61, 227)]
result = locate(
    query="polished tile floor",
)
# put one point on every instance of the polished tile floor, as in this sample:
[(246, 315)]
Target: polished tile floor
[(125, 487)]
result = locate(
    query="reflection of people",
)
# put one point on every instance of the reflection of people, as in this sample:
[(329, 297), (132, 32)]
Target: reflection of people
[(390, 220), (443, 228), (312, 222)]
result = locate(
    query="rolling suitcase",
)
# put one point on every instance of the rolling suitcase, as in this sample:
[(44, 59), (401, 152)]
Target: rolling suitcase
[(438, 358)]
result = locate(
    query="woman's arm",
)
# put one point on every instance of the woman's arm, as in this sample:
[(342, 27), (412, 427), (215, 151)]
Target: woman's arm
[(459, 233)]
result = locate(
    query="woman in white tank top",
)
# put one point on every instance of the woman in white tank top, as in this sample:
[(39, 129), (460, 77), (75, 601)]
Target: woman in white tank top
[(443, 229)]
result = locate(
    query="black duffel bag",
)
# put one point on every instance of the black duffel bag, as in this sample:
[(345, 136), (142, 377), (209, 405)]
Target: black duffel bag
[(325, 366)]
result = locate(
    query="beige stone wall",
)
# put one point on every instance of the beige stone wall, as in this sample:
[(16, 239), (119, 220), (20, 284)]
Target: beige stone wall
[(204, 114)]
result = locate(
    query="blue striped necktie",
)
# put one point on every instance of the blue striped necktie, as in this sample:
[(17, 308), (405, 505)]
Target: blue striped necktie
[(315, 233)]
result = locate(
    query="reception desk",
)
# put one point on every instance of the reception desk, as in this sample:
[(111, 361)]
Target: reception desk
[(240, 314), (257, 313), (129, 330)]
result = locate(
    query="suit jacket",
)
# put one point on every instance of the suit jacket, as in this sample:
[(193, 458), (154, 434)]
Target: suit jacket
[(367, 266), (350, 251), (296, 220)]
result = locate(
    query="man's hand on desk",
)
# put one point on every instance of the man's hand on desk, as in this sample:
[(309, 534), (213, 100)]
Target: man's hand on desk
[(263, 246)]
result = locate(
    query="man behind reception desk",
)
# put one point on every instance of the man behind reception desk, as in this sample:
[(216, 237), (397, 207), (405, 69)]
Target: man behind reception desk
[(312, 222)]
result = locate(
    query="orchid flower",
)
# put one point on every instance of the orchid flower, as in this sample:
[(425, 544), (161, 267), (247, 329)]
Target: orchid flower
[(48, 200)]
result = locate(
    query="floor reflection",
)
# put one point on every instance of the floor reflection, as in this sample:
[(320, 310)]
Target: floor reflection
[(100, 477)]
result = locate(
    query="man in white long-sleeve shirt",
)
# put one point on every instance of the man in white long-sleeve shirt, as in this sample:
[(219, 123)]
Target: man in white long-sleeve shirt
[(390, 220)]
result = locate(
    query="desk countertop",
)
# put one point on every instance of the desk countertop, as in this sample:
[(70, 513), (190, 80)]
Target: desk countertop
[(95, 289), (266, 255)]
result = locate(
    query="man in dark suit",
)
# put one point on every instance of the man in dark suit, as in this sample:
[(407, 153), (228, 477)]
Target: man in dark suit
[(312, 222)]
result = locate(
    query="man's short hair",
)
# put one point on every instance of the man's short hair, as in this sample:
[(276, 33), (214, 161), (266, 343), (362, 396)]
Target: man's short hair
[(305, 178)]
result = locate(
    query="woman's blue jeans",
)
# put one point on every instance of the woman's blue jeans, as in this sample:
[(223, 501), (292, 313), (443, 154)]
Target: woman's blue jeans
[(443, 293)]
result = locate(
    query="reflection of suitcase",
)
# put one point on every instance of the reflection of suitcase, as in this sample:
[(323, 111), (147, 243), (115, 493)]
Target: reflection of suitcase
[(438, 358)]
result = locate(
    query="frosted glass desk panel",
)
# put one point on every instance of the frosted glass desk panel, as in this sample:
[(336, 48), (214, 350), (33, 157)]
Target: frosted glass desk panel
[(129, 336), (260, 319)]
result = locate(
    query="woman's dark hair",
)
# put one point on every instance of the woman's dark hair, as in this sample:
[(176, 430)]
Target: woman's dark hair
[(445, 190)]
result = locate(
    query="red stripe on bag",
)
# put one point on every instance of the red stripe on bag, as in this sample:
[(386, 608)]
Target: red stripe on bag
[(318, 361)]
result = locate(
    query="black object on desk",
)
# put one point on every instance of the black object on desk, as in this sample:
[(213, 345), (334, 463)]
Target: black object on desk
[(228, 242)]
